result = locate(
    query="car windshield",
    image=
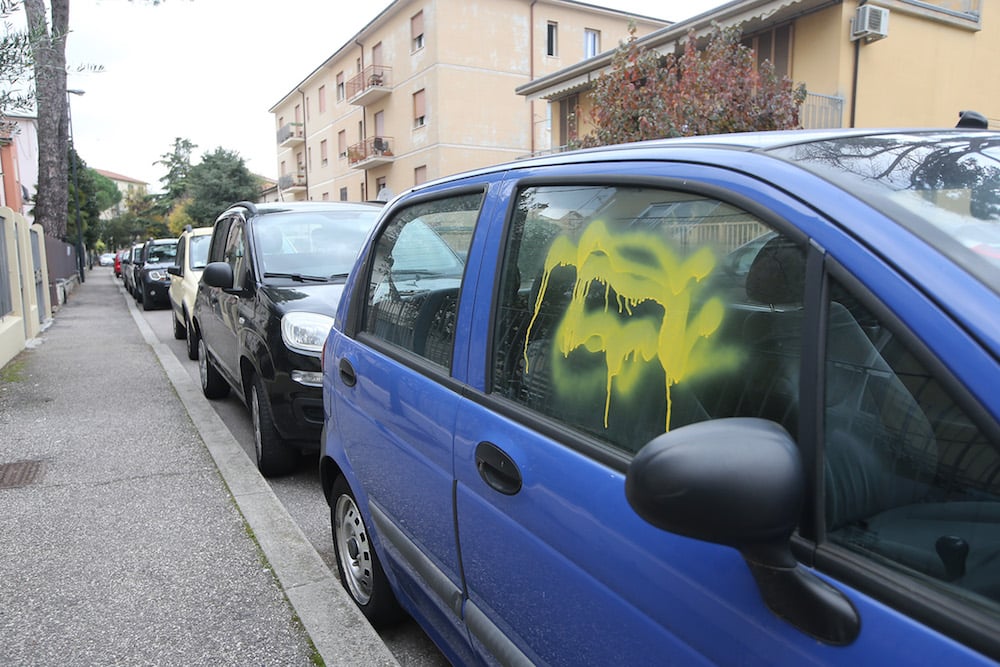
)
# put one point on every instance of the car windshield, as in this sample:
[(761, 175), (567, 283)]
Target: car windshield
[(314, 245), (198, 251), (161, 253), (944, 187)]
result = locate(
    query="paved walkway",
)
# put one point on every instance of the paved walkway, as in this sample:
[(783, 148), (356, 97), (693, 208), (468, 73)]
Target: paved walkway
[(133, 529)]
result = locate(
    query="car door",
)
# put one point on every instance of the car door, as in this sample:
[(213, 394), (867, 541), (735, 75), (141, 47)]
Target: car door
[(626, 307), (232, 306), (396, 425)]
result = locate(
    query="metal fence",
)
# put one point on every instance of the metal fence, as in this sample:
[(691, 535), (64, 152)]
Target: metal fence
[(822, 111)]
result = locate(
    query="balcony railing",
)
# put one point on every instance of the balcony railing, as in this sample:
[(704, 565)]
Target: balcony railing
[(371, 152), (822, 111), (291, 181), (374, 82), (291, 134)]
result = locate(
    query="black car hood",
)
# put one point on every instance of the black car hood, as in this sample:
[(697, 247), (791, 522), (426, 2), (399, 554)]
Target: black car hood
[(322, 298)]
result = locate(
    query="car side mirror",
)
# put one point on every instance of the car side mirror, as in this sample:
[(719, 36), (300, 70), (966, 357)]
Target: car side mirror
[(739, 482), (175, 271), (218, 274)]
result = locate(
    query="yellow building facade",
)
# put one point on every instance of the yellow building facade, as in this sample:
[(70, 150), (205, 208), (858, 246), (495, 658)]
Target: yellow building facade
[(883, 63), (428, 89)]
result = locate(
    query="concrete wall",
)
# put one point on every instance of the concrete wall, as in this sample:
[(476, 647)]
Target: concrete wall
[(25, 281)]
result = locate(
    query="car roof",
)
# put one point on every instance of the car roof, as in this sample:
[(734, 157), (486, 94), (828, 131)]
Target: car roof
[(664, 148), (299, 206)]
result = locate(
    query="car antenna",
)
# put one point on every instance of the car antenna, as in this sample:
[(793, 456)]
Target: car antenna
[(972, 120)]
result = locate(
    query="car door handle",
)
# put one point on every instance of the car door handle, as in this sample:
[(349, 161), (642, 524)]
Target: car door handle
[(497, 469), (347, 375)]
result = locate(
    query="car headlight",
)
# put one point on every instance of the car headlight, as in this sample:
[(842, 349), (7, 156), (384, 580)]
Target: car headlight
[(305, 332), (156, 274)]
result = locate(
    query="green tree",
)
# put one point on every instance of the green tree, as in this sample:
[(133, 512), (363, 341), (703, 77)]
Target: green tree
[(710, 90), (15, 70), (91, 197), (175, 182), (220, 179)]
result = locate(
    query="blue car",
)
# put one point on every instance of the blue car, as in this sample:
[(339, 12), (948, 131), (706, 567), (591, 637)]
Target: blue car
[(730, 399)]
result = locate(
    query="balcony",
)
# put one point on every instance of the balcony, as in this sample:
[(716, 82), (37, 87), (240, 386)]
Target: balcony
[(292, 182), (370, 153), (372, 84), (291, 134)]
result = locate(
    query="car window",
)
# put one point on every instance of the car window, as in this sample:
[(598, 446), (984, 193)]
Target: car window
[(416, 274), (159, 253), (318, 244), (235, 254), (625, 312), (198, 250), (910, 480)]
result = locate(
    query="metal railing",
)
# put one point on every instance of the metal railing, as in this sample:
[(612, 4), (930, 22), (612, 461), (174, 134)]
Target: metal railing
[(373, 76), (821, 111)]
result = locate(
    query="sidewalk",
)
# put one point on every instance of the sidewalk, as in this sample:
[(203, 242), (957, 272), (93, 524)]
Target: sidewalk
[(128, 515)]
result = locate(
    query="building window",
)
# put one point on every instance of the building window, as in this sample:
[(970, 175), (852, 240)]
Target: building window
[(342, 143), (419, 109), (325, 196), (773, 45), (591, 43), (324, 157), (552, 39), (340, 86), (420, 174), (417, 32), (322, 99), (343, 194)]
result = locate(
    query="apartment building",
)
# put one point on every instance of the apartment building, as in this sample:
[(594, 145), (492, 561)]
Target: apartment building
[(128, 186), (427, 89), (881, 63)]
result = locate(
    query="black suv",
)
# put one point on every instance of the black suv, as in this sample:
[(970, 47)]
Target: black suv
[(152, 282), (264, 307)]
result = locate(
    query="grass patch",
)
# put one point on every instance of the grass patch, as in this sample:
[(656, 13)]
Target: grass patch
[(13, 372)]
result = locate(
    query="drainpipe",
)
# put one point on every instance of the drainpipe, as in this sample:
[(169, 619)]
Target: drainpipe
[(531, 71), (364, 115), (857, 67), (305, 136)]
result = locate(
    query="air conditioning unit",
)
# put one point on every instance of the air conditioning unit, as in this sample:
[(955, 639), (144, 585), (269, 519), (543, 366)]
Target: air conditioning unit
[(870, 23)]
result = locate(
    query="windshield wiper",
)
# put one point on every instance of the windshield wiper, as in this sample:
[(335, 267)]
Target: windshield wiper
[(297, 277)]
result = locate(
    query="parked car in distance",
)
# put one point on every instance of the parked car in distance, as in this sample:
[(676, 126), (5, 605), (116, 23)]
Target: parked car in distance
[(106, 259), (152, 282), (263, 308), (118, 263), (715, 400), (130, 267), (192, 255)]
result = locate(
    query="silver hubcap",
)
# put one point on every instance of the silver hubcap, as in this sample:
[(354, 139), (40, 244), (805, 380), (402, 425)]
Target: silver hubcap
[(203, 363), (255, 412), (354, 549)]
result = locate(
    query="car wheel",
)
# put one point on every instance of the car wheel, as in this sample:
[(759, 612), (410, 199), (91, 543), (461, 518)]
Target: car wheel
[(274, 456), (360, 570), (192, 338), (213, 385), (179, 331)]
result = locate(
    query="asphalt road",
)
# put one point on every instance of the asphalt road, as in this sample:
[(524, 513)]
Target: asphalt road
[(300, 492)]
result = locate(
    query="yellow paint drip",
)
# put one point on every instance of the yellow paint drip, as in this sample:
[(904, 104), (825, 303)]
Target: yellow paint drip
[(630, 344)]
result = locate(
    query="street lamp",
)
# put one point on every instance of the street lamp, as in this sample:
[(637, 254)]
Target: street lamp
[(76, 184)]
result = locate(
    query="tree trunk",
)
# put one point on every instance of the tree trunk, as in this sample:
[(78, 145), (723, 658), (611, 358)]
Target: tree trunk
[(49, 50)]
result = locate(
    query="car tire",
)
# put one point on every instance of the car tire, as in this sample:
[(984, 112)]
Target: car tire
[(361, 572), (179, 331), (213, 385), (192, 339), (274, 456)]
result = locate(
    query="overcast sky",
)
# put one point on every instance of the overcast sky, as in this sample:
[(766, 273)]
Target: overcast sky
[(209, 70)]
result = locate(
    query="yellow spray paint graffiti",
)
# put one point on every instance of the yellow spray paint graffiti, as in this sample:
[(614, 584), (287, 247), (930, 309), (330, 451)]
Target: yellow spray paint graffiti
[(642, 269)]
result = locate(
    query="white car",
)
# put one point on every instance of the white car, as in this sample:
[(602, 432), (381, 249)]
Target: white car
[(192, 254)]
